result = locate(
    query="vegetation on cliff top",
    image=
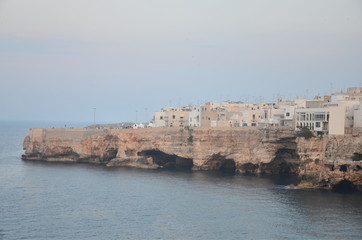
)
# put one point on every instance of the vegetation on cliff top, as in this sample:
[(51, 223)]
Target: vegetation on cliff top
[(305, 133)]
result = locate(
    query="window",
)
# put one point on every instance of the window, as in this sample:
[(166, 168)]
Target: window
[(301, 116), (173, 116), (317, 124), (287, 114), (319, 116), (161, 117)]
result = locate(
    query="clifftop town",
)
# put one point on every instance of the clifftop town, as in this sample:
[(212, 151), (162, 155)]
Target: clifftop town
[(337, 114), (228, 136)]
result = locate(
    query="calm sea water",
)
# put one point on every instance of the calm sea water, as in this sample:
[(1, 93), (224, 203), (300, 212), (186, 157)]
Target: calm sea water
[(79, 201)]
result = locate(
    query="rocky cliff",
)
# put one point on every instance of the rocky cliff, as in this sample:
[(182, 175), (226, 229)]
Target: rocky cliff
[(326, 162), (322, 162)]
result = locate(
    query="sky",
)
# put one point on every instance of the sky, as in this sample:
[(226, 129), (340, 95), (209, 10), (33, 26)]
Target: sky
[(128, 58)]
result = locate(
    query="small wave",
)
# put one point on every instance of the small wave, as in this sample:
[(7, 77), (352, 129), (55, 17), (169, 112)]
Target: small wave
[(288, 187)]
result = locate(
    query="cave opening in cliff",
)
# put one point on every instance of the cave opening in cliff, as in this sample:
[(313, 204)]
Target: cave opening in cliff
[(249, 168), (110, 154), (343, 168), (168, 161), (344, 186), (286, 162), (221, 163)]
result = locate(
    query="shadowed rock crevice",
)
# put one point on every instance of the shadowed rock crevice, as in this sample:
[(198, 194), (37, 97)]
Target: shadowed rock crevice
[(35, 156), (286, 161), (344, 168), (249, 168), (109, 155), (165, 160), (344, 186), (217, 162)]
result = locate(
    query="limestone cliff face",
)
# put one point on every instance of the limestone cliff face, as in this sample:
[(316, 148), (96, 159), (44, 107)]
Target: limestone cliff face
[(321, 162), (70, 145), (206, 148), (255, 150)]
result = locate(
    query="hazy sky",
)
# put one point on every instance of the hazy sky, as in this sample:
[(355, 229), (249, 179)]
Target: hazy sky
[(60, 59)]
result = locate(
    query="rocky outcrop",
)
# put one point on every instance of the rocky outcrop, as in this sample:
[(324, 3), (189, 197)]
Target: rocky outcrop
[(70, 145), (321, 162), (326, 162)]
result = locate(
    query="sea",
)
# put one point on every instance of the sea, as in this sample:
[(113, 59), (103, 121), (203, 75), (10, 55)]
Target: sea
[(40, 200)]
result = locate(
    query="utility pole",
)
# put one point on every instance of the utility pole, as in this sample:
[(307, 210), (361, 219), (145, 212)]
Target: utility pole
[(94, 115)]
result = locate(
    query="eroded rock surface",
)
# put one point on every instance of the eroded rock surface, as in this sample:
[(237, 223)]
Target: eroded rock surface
[(266, 149), (321, 162), (326, 162)]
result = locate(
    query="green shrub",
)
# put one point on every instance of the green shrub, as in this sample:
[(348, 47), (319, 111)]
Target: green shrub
[(305, 133)]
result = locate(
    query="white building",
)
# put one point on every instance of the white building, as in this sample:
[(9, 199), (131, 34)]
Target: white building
[(288, 118), (195, 116), (316, 119), (159, 119), (357, 115), (335, 118), (172, 117), (342, 117)]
